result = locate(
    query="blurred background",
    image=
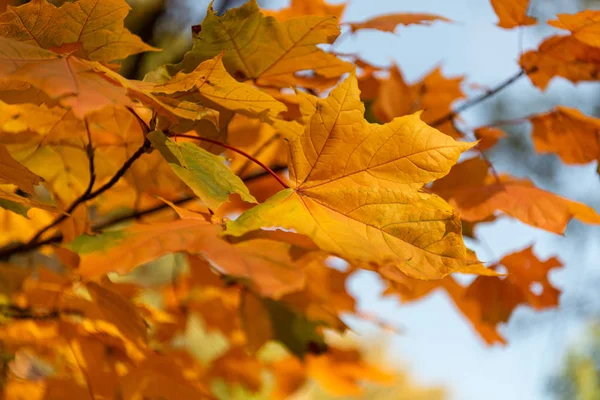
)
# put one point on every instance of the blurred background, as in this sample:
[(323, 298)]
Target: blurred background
[(550, 355)]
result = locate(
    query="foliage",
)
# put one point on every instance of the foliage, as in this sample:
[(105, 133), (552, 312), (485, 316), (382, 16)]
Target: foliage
[(579, 374), (104, 178)]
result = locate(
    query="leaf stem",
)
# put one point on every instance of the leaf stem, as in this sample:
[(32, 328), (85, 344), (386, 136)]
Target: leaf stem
[(241, 152), (258, 152)]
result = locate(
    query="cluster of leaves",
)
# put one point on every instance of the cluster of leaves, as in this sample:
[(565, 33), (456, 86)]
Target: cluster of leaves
[(101, 175)]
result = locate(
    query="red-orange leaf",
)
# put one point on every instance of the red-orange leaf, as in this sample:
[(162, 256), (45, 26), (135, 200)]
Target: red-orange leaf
[(573, 136), (389, 22), (562, 56), (479, 195), (488, 137), (75, 83), (512, 13)]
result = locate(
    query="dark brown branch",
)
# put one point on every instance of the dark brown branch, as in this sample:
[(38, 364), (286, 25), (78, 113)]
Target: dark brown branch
[(83, 197), (124, 168), (19, 248), (13, 311), (476, 100)]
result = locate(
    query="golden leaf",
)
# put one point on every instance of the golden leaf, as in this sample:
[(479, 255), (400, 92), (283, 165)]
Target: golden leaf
[(214, 86), (357, 182), (96, 24), (262, 49)]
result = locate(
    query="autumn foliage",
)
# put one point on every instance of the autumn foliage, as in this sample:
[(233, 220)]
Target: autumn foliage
[(239, 173)]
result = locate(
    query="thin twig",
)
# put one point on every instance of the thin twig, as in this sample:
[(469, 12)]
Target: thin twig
[(241, 152), (88, 194), (124, 168), (476, 100)]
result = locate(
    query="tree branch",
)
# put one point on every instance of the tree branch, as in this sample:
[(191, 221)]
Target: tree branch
[(476, 100), (83, 197), (19, 248)]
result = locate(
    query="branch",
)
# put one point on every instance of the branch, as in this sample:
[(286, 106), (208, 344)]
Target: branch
[(241, 152), (15, 312), (18, 248), (476, 100), (83, 197), (88, 194)]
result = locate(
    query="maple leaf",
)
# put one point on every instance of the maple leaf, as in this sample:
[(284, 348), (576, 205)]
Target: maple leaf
[(274, 273), (216, 87), (479, 195), (75, 83), (569, 133), (299, 8), (562, 56), (96, 24), (488, 301), (488, 137), (14, 173), (512, 13), (584, 26), (53, 142), (357, 182), (389, 22), (264, 50), (206, 174), (434, 94)]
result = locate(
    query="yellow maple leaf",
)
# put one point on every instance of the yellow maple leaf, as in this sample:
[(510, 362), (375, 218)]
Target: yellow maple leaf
[(358, 188), (96, 24), (263, 49), (213, 85)]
